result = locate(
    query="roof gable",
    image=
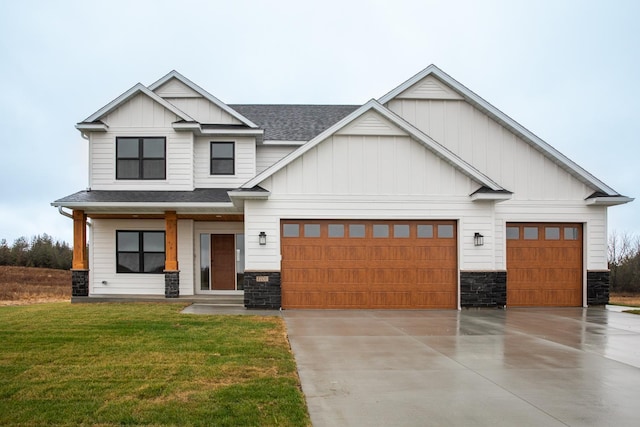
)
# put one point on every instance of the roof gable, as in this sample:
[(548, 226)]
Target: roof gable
[(200, 91), (174, 88), (412, 85), (135, 90), (359, 121)]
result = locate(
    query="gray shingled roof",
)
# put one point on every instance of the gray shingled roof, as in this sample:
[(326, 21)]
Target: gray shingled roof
[(199, 195), (294, 122)]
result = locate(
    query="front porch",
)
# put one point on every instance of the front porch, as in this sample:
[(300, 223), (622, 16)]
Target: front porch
[(217, 300)]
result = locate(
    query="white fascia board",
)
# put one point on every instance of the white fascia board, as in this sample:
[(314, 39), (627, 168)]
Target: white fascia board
[(496, 197), (428, 142), (138, 88), (204, 93), (609, 201), (281, 142), (196, 128), (501, 117), (133, 205), (253, 195), (92, 127)]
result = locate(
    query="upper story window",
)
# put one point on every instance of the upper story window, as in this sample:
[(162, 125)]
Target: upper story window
[(223, 158), (140, 158)]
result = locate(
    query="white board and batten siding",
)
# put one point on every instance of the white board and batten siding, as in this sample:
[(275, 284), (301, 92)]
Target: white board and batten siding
[(360, 174), (542, 190), (194, 104), (141, 117), (245, 162), (267, 155)]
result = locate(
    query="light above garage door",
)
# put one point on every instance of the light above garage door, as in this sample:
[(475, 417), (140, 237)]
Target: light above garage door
[(369, 264)]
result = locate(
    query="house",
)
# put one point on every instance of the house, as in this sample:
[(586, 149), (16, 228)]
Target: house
[(428, 197)]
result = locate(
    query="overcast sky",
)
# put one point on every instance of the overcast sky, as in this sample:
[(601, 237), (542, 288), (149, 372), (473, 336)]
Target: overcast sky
[(566, 70)]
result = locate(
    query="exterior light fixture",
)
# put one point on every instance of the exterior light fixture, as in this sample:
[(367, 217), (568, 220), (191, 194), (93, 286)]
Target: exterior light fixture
[(478, 239), (262, 238)]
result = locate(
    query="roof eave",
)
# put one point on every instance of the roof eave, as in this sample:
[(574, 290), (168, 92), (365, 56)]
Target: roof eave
[(608, 200), (204, 93), (162, 205), (503, 119), (493, 197), (92, 127)]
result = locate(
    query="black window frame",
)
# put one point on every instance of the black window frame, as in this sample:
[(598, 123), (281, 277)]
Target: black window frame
[(141, 159), (141, 252), (232, 158)]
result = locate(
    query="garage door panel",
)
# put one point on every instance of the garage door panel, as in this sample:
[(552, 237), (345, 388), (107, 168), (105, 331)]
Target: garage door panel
[(400, 269), (547, 270)]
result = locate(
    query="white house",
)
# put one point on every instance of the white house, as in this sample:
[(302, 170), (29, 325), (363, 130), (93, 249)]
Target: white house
[(428, 197)]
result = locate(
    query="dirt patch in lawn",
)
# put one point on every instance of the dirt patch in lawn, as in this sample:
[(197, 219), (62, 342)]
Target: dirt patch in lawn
[(28, 285)]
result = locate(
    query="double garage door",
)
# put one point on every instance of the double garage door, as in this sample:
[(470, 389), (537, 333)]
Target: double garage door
[(413, 264), (369, 264)]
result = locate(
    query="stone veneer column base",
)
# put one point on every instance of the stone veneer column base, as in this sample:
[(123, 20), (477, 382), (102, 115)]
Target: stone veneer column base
[(262, 290), (598, 287), (80, 283), (171, 284), (483, 288)]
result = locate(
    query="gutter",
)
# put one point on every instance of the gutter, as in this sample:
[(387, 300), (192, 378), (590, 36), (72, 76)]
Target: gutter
[(68, 215)]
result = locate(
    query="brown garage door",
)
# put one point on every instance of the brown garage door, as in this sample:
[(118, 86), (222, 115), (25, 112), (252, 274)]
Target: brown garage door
[(544, 264), (369, 264)]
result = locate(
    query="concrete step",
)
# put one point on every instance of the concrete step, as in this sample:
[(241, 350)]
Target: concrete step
[(223, 300)]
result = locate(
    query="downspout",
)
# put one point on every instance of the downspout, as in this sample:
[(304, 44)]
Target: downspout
[(68, 215)]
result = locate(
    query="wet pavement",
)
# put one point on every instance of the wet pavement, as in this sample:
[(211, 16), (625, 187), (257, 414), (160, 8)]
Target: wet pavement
[(515, 367)]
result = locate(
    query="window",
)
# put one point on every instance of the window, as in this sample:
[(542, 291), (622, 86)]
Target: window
[(400, 230), (312, 230), (531, 233), (571, 233), (445, 231), (140, 158), (356, 230), (336, 230), (425, 231), (513, 233), (222, 158), (552, 233), (290, 230), (380, 230), (140, 251)]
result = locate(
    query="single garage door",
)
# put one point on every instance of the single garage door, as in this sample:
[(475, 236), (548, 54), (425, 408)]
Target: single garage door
[(544, 264), (369, 264)]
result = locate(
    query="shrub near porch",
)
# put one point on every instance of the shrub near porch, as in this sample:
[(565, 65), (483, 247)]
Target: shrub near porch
[(113, 364)]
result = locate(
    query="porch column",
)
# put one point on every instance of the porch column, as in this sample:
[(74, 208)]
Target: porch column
[(80, 263), (171, 272)]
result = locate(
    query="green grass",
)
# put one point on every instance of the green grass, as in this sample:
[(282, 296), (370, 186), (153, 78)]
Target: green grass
[(632, 311), (132, 364)]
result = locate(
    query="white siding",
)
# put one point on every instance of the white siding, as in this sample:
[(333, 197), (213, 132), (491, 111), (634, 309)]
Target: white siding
[(186, 256), (267, 155), (245, 166), (141, 116), (492, 149), (429, 88), (102, 261), (204, 111), (372, 165), (368, 177)]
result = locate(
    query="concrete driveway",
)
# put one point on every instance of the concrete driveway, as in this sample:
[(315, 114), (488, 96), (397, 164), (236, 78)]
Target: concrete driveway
[(515, 367)]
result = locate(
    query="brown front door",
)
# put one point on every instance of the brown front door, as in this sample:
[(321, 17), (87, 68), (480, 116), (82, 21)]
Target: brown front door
[(223, 262)]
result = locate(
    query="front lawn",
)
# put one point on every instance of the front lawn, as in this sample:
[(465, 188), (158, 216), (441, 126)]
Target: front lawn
[(114, 364)]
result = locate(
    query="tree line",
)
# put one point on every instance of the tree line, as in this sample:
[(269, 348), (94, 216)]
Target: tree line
[(41, 251), (624, 262)]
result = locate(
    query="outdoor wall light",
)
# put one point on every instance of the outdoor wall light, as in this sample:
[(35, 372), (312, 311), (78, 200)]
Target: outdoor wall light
[(262, 238), (478, 239)]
